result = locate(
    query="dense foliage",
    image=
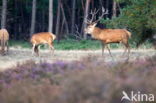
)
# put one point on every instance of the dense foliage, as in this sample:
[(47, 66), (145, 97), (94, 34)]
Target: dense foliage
[(88, 80), (138, 16), (19, 16)]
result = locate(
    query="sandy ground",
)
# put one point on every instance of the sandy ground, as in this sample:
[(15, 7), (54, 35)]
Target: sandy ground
[(20, 55)]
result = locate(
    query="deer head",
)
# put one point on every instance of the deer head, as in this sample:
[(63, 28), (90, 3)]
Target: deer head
[(90, 28), (90, 23)]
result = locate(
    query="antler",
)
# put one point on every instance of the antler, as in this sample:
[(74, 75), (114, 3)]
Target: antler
[(93, 15), (104, 12)]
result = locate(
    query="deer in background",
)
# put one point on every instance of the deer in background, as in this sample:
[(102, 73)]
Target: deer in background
[(42, 38), (107, 36), (4, 37)]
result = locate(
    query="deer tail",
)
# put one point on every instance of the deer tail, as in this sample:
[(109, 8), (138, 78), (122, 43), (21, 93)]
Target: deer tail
[(53, 36), (129, 33)]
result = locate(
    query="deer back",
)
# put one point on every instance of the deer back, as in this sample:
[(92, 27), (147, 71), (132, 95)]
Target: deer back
[(110, 35), (43, 37)]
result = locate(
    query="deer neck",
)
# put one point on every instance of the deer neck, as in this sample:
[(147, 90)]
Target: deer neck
[(96, 33)]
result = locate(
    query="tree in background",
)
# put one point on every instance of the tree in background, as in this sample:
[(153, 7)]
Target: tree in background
[(64, 19), (114, 9), (73, 16), (87, 5), (22, 21), (4, 13), (136, 15), (33, 18), (58, 20), (50, 29)]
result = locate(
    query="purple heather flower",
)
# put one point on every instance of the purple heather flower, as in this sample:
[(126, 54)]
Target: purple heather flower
[(60, 63)]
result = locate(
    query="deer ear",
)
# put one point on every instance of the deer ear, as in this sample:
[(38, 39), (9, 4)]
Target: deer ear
[(94, 24)]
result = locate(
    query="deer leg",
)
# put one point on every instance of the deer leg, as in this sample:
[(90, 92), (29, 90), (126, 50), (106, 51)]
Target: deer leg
[(126, 47), (125, 43), (128, 50), (109, 51), (103, 47), (7, 44), (125, 50), (33, 49), (4, 48), (1, 44), (51, 48), (1, 47), (37, 50)]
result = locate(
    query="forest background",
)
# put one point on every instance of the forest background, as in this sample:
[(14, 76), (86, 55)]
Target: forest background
[(66, 19)]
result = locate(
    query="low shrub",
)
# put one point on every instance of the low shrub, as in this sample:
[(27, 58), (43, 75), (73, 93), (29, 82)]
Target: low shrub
[(90, 80)]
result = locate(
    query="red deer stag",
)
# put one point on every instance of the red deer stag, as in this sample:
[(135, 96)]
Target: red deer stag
[(4, 37), (42, 38), (107, 36)]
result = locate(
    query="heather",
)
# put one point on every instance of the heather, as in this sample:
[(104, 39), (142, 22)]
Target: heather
[(89, 80)]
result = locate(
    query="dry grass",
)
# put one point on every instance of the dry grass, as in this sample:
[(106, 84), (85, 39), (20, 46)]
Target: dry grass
[(21, 55)]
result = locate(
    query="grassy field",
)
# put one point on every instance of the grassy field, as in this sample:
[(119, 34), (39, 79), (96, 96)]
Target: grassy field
[(71, 44)]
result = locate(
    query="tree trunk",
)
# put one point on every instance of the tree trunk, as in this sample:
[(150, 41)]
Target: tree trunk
[(4, 13), (107, 7), (82, 4), (15, 31), (58, 20), (65, 20), (85, 19), (43, 20), (33, 18), (101, 3), (73, 16), (50, 29), (114, 8)]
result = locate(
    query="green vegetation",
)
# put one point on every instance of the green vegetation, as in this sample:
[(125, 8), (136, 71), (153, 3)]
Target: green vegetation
[(138, 16), (19, 43), (71, 44)]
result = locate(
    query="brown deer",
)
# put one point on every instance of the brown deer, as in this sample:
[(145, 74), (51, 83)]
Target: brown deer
[(4, 37), (42, 38), (107, 36)]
